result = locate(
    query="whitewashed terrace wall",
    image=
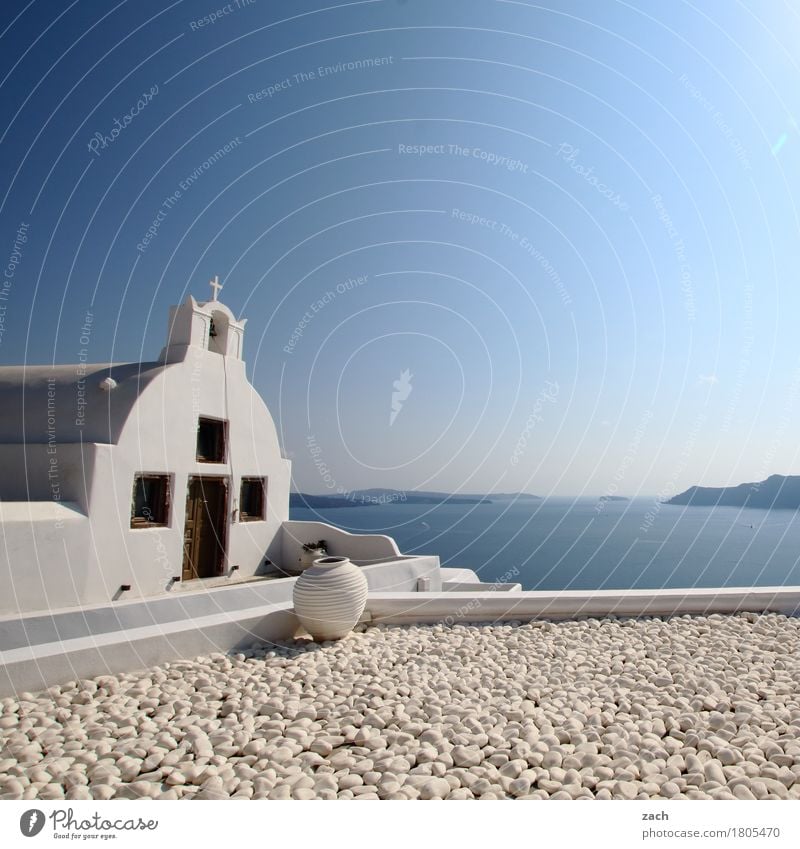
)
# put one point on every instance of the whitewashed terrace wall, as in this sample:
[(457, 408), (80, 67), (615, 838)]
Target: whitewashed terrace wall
[(453, 607), (358, 547), (39, 650)]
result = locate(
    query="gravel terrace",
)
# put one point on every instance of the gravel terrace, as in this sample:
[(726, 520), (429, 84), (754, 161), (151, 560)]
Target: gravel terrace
[(681, 708)]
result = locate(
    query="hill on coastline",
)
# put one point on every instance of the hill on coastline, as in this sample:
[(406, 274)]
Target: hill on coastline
[(377, 496), (776, 492)]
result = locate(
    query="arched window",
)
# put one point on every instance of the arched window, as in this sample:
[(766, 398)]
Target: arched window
[(218, 333)]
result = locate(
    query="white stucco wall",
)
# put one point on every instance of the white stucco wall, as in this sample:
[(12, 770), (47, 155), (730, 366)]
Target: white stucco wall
[(44, 551), (160, 436), (41, 472), (492, 606), (362, 548), (37, 650), (47, 564)]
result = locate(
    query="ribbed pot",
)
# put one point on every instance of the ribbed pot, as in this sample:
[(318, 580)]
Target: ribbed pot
[(329, 597)]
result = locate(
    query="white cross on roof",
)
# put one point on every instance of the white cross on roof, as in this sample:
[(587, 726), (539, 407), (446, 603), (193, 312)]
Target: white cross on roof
[(215, 287)]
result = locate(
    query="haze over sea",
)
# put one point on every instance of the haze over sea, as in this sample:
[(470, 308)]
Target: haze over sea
[(565, 543)]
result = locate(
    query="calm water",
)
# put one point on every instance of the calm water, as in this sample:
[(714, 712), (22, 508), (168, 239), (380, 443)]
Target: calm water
[(569, 544)]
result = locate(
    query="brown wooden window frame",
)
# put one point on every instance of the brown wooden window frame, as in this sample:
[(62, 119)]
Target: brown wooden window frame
[(252, 517), (220, 440), (161, 515)]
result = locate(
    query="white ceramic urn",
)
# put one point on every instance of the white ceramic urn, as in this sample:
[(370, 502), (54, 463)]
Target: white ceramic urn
[(329, 597)]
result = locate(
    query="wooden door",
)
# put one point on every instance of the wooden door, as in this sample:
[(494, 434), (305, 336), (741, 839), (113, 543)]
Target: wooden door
[(204, 532)]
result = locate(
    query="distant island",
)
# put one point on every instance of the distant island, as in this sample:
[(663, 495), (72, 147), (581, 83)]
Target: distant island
[(376, 496), (322, 502), (776, 492), (613, 498)]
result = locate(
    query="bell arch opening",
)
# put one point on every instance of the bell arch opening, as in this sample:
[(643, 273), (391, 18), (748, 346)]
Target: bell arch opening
[(219, 327)]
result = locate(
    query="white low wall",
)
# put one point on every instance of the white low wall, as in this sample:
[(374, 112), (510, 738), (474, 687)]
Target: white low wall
[(42, 649), (463, 576), (401, 575), (38, 651), (452, 607), (480, 587), (33, 668), (360, 547)]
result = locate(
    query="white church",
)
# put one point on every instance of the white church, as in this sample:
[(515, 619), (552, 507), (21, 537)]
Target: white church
[(145, 480)]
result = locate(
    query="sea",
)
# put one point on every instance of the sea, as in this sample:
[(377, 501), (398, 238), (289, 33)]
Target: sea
[(586, 543)]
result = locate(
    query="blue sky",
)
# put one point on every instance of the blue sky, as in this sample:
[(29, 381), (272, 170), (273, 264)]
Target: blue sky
[(572, 224)]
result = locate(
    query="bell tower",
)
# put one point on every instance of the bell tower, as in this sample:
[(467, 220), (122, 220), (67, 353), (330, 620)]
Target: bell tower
[(209, 326)]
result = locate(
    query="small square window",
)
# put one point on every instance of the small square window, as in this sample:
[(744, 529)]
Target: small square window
[(150, 503), (251, 500), (210, 441)]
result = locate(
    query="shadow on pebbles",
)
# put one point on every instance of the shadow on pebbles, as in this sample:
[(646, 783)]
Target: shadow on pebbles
[(682, 708)]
